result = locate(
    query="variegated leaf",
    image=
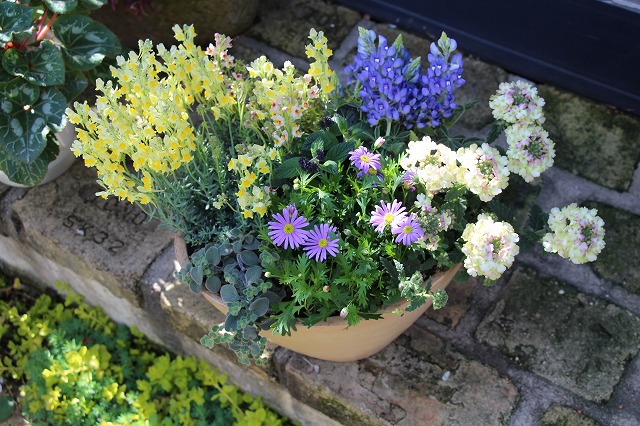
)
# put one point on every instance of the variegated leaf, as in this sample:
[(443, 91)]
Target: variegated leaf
[(42, 66), (85, 43), (29, 174), (93, 4), (15, 21), (23, 130), (61, 6)]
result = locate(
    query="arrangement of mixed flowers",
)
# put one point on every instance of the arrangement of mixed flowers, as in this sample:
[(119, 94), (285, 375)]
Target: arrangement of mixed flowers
[(304, 198)]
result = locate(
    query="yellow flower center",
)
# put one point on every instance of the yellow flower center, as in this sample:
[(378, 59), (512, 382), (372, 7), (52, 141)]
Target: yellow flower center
[(364, 158), (388, 218), (322, 243), (288, 229), (407, 229)]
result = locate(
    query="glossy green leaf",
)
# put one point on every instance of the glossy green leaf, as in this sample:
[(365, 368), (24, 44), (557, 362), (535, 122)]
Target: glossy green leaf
[(42, 66), (28, 174), (24, 127), (7, 406), (340, 152), (61, 6), (16, 22), (74, 84), (85, 43), (93, 4), (288, 169)]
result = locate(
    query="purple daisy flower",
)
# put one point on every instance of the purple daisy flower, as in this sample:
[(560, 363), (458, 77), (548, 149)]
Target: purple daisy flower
[(365, 160), (287, 228), (319, 242), (387, 214), (408, 231), (409, 180)]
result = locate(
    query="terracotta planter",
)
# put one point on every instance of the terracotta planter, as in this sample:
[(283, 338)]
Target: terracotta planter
[(332, 340)]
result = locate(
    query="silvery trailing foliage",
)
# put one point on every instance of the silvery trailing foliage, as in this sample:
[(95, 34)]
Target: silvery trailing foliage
[(40, 75), (232, 268)]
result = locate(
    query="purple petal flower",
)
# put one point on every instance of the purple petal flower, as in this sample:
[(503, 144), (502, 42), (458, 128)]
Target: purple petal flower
[(408, 231), (320, 242), (365, 160), (288, 227), (409, 180), (387, 214)]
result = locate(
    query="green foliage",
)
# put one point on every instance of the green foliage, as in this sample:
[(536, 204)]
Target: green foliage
[(232, 268), (39, 77), (75, 366)]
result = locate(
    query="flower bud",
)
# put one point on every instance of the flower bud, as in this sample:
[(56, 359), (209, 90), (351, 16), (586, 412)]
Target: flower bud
[(343, 313), (325, 289), (379, 142)]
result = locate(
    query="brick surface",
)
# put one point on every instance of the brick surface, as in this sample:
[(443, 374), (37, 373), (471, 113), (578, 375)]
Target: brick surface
[(620, 259), (417, 380), (592, 140), (575, 341)]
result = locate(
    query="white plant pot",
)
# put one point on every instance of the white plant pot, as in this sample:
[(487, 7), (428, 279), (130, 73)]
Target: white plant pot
[(63, 161)]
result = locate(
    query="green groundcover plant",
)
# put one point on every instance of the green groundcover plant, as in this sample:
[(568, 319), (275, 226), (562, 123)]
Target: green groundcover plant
[(69, 364), (304, 197)]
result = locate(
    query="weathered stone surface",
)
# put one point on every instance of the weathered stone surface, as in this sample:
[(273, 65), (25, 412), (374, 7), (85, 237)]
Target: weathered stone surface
[(573, 340), (564, 416), (619, 260), (230, 17), (417, 380), (459, 293), (106, 240), (3, 188), (293, 20), (592, 140)]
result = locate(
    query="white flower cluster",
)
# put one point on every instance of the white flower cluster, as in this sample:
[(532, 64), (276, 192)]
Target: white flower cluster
[(490, 247), (530, 152), (517, 101), (483, 170), (434, 163), (577, 233)]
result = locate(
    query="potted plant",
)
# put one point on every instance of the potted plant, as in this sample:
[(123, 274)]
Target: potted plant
[(306, 206), (49, 47)]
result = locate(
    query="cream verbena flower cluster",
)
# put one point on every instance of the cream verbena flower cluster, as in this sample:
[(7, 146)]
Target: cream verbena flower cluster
[(490, 247), (481, 168), (577, 233), (519, 107)]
